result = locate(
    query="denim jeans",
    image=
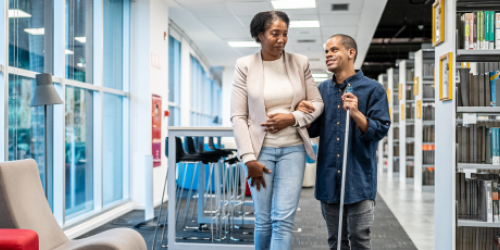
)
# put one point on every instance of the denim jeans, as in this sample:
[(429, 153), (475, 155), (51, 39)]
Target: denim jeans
[(275, 205), (356, 224)]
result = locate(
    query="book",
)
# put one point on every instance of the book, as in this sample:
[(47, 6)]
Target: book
[(464, 85), (495, 152), (488, 145), (480, 30), (466, 18), (497, 31), (494, 190)]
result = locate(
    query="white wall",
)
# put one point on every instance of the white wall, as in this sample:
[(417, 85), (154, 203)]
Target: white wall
[(227, 83), (149, 22)]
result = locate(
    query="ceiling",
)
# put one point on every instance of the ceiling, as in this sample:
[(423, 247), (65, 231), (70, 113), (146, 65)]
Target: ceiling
[(210, 24), (404, 26)]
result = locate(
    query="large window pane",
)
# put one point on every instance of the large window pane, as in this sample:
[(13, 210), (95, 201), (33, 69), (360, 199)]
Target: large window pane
[(112, 148), (78, 144), (30, 34), (26, 127), (113, 43), (79, 40)]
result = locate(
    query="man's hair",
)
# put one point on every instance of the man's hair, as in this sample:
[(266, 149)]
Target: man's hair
[(262, 20), (349, 43)]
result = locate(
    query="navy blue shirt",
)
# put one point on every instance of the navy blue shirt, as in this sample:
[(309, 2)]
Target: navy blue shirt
[(361, 176)]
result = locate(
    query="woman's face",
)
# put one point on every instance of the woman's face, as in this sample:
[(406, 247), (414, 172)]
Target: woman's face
[(274, 39)]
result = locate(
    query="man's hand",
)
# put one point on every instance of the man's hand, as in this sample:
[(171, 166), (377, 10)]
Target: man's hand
[(306, 107), (256, 173), (351, 102), (277, 122)]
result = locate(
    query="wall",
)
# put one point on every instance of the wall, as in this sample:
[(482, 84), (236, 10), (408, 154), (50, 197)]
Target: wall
[(227, 83)]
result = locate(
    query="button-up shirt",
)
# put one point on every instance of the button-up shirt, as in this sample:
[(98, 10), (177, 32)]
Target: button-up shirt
[(361, 176)]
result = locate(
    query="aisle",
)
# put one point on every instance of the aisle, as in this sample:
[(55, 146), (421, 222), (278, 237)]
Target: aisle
[(414, 210)]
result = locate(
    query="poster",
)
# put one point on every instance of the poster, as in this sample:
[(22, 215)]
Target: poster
[(156, 135)]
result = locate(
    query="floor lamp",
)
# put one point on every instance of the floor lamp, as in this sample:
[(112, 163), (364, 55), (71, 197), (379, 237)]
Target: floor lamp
[(45, 94)]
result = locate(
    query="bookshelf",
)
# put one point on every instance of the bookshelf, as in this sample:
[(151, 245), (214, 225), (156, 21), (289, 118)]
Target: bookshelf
[(406, 72), (424, 140), (389, 79), (382, 147), (448, 227)]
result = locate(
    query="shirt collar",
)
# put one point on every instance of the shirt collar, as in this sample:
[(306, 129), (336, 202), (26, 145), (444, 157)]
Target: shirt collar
[(359, 74)]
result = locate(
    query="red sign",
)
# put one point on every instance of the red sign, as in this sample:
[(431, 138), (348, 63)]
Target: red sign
[(156, 136)]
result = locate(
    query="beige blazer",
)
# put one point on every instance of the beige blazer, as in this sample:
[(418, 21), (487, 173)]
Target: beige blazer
[(247, 101)]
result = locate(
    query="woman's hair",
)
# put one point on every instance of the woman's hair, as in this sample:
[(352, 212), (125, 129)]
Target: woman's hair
[(262, 20)]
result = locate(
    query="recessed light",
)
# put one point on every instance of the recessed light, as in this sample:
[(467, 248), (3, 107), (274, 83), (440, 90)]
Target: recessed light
[(243, 44), (320, 75), (294, 4), (18, 14), (35, 31), (68, 52), (81, 39), (304, 24)]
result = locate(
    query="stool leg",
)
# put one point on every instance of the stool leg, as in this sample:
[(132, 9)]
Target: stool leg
[(190, 193), (180, 194), (159, 213)]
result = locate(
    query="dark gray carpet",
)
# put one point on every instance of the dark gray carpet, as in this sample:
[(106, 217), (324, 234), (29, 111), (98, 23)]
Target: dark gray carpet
[(387, 233)]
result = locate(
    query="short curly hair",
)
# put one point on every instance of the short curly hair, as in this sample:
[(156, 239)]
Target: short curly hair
[(262, 20)]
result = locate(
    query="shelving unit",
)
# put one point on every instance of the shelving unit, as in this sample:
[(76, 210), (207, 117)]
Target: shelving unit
[(391, 73), (382, 145), (405, 86), (424, 61), (447, 114)]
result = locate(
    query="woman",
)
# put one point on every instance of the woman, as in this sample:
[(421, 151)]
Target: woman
[(271, 137)]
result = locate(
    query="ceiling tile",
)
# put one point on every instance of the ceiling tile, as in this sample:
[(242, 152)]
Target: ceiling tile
[(332, 30), (325, 6), (339, 19), (202, 9), (245, 8), (303, 33)]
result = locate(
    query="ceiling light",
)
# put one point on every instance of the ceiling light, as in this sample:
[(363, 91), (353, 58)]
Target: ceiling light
[(68, 52), (18, 13), (304, 24), (294, 4), (35, 31), (243, 44), (320, 75), (81, 39)]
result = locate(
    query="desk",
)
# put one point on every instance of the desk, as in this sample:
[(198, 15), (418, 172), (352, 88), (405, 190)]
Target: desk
[(195, 132)]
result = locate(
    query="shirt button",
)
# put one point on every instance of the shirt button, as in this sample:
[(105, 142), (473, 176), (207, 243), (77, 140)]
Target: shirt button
[(340, 90), (338, 106), (386, 123), (338, 155), (338, 171), (338, 139), (338, 123)]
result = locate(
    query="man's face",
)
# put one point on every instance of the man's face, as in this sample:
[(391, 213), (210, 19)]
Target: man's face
[(336, 55)]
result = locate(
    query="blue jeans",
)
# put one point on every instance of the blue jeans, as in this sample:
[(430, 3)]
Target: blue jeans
[(275, 205)]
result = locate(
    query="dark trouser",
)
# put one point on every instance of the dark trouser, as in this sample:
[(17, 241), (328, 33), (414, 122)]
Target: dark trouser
[(356, 225)]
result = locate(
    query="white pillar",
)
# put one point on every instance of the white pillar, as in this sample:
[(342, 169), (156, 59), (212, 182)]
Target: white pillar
[(227, 84)]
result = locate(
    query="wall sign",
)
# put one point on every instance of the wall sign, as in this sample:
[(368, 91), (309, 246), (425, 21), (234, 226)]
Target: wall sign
[(437, 23), (445, 77), (156, 116)]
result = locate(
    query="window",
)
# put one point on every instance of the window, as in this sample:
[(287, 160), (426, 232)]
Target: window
[(79, 40), (30, 35), (204, 100), (174, 81), (113, 43), (78, 151), (112, 148)]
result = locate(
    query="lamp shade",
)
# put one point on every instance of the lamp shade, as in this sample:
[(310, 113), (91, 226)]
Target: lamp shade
[(45, 93)]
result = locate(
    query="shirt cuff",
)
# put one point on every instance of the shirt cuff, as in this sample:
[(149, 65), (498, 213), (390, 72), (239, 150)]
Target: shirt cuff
[(368, 135), (248, 157), (297, 123)]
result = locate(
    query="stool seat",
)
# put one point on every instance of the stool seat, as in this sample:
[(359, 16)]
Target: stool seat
[(18, 239)]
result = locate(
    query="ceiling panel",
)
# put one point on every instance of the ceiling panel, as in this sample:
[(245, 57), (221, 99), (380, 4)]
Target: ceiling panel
[(203, 9), (243, 8), (325, 6), (300, 33), (329, 31), (339, 19)]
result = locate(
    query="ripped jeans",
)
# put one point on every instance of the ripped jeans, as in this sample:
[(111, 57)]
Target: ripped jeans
[(356, 224), (275, 205)]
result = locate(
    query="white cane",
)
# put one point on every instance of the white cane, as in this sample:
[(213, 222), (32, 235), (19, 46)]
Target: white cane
[(344, 168)]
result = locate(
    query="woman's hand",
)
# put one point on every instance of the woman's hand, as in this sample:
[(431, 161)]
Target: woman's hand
[(256, 172), (306, 107), (277, 122)]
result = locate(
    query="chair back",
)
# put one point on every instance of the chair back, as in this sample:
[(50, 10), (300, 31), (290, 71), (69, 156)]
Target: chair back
[(23, 204), (191, 147)]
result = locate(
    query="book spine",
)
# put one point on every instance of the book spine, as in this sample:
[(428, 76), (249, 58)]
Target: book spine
[(492, 30), (489, 202), (474, 34), (497, 30), (480, 29), (496, 152), (487, 27), (466, 31)]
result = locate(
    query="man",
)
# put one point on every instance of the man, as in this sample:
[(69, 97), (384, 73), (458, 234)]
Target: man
[(370, 122)]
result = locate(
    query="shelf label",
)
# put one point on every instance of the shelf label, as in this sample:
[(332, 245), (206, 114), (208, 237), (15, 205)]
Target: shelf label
[(389, 95), (469, 118), (400, 91), (390, 113), (419, 109), (402, 112), (415, 86)]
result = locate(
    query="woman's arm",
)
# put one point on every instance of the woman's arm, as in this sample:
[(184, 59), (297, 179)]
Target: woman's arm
[(313, 95), (239, 115)]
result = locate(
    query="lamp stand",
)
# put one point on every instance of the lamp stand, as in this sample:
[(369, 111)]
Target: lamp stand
[(46, 174)]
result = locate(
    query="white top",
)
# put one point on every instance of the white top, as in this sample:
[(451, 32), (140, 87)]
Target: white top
[(278, 97)]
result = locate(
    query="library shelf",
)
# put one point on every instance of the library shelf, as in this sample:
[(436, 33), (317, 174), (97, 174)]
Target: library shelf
[(428, 143), (428, 99), (492, 110), (476, 223), (409, 82), (477, 55), (428, 165), (477, 166), (428, 122)]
